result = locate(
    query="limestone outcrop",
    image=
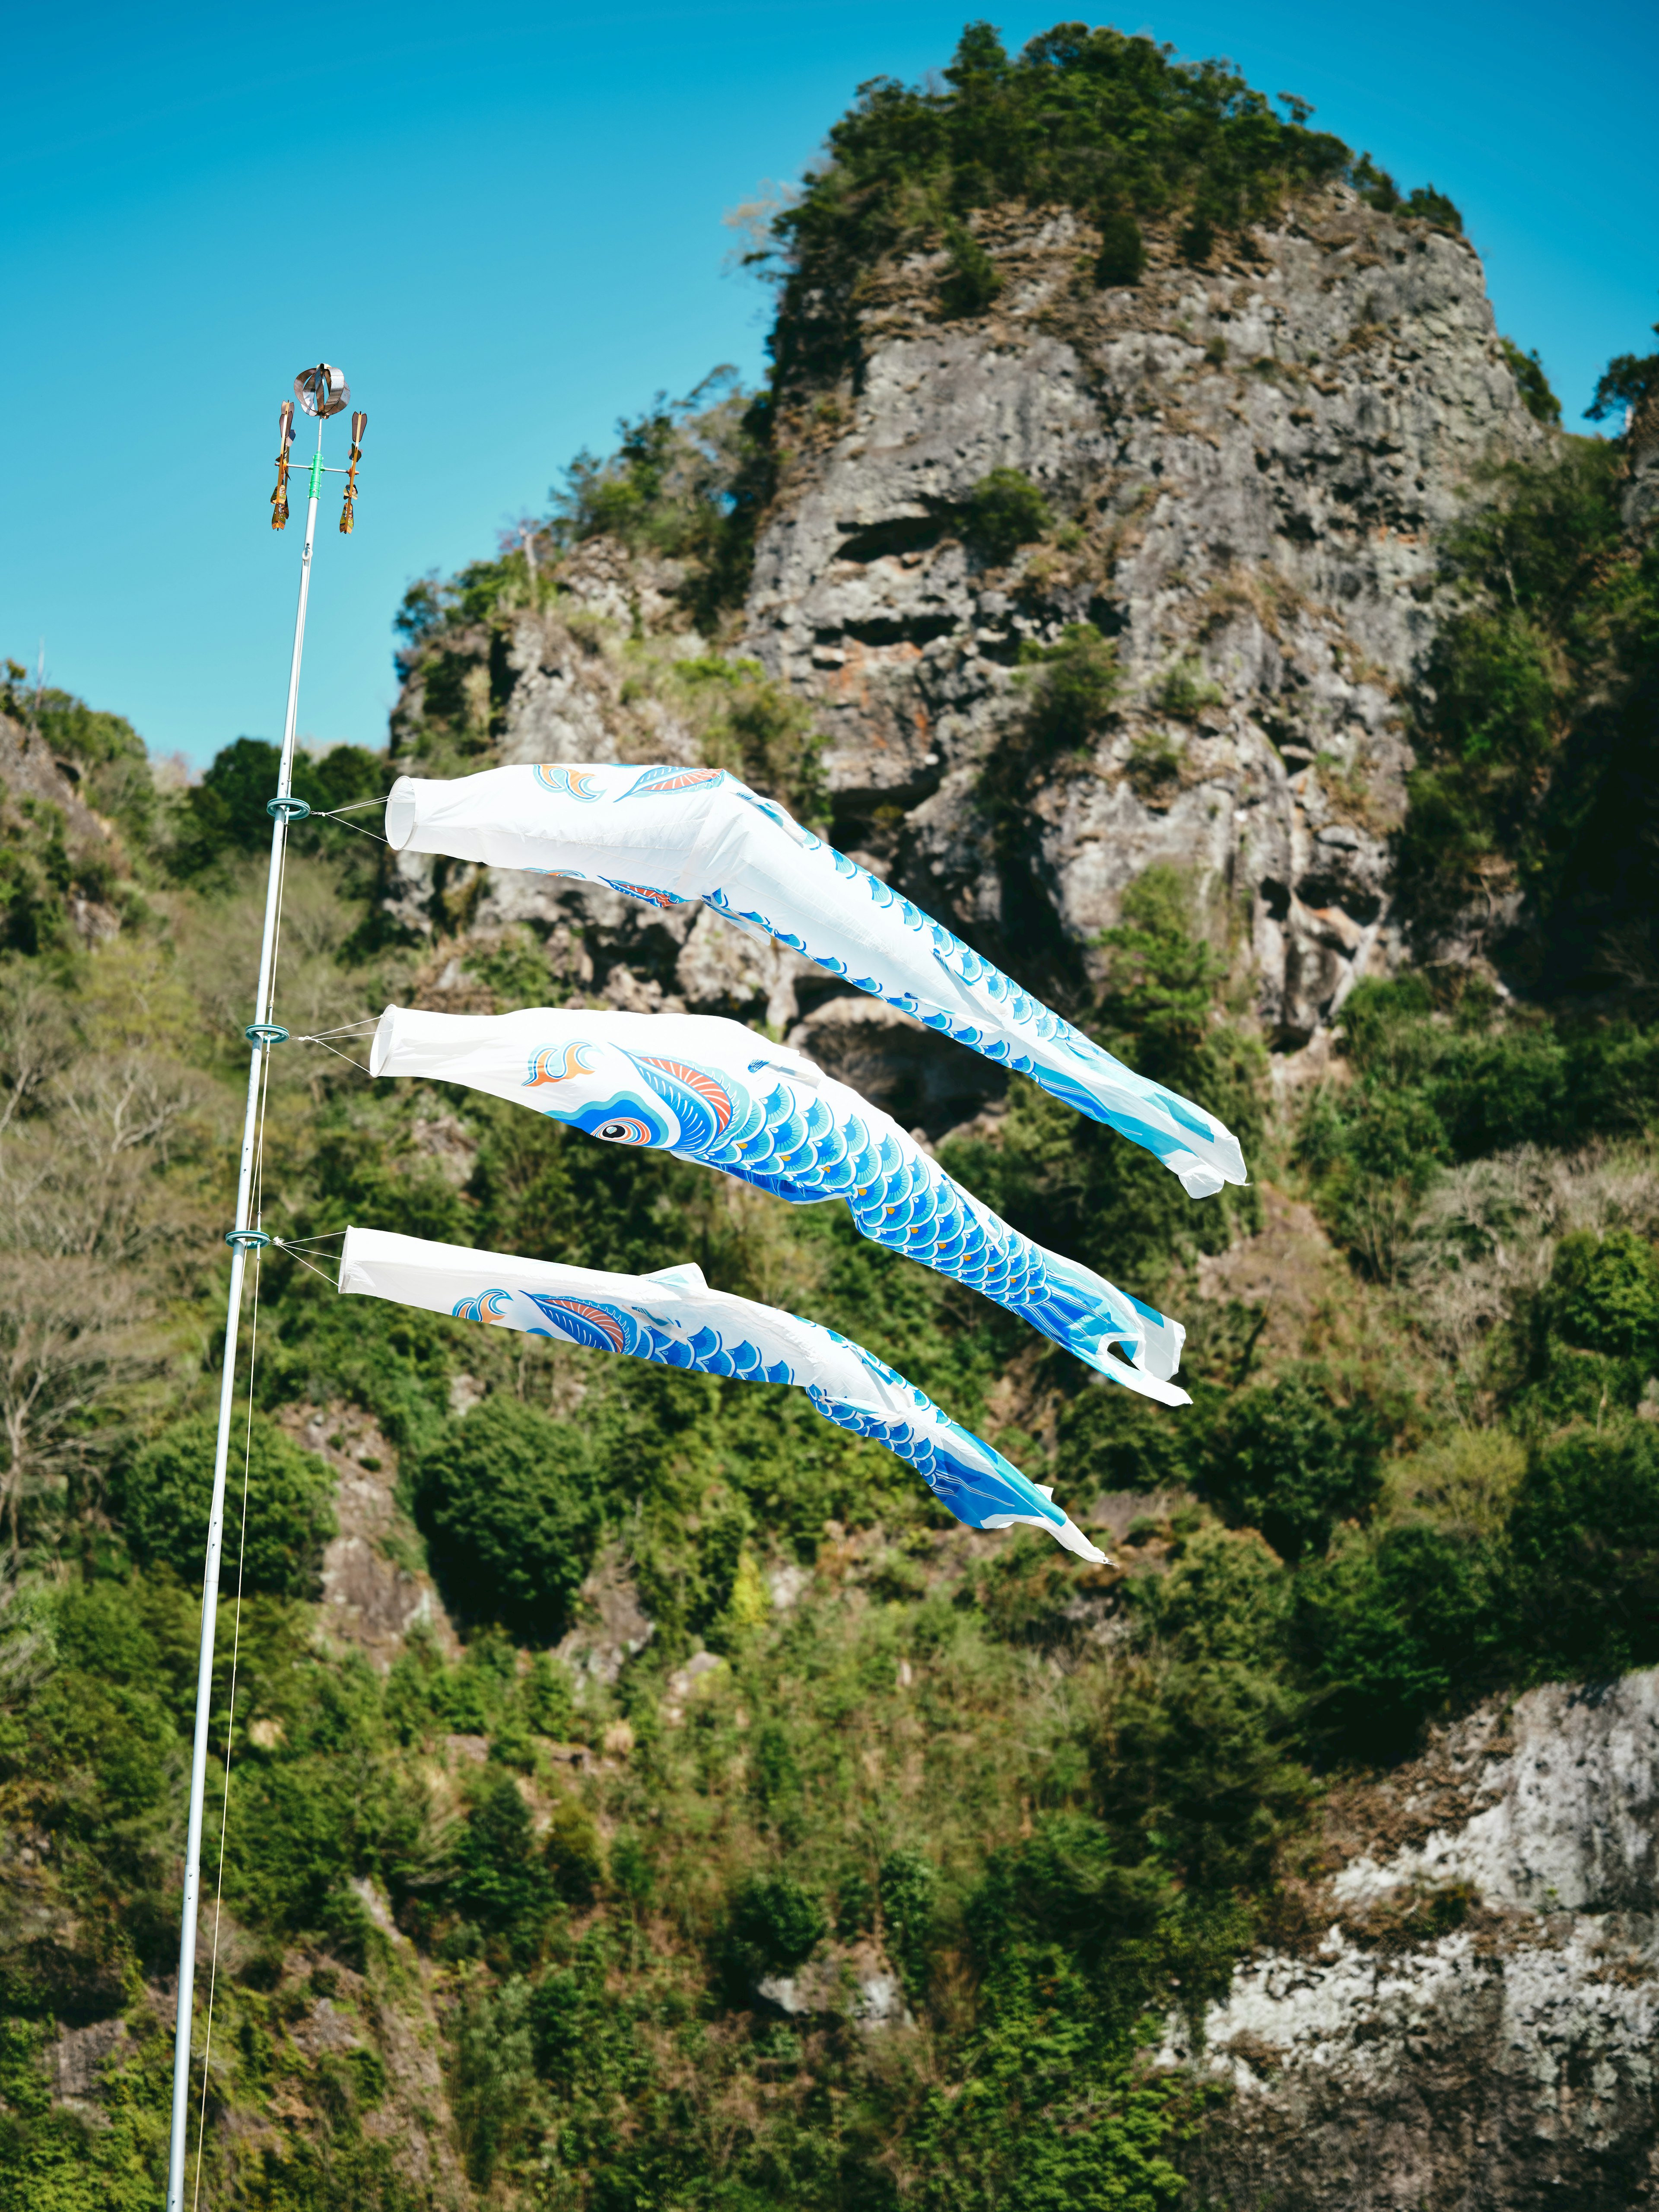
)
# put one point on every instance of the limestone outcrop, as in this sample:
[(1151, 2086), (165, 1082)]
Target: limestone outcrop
[(1251, 460), (1469, 2018)]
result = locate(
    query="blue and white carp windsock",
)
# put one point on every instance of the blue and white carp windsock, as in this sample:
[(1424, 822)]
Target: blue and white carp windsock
[(715, 1092), (674, 1318), (668, 835)]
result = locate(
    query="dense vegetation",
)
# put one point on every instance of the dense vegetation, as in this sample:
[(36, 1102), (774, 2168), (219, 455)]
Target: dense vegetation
[(1112, 126), (866, 1878), (918, 1762), (1540, 727)]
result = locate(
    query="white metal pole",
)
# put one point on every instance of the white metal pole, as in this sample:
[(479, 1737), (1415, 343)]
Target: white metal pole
[(176, 2151)]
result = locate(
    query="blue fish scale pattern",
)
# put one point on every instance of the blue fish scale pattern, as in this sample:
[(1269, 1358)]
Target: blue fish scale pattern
[(959, 1478), (796, 1150), (1023, 1010), (958, 1484)]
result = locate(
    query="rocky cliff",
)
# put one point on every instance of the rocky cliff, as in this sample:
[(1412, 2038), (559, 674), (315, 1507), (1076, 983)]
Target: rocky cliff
[(1244, 468), (1468, 2016), (1244, 465), (1252, 459)]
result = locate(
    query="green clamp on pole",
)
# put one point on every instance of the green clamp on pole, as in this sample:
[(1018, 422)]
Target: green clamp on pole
[(317, 470), (247, 1240), (265, 1033), (286, 810)]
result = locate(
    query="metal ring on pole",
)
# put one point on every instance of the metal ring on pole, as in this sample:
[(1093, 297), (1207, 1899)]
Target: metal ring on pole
[(247, 1240), (288, 810), (265, 1033)]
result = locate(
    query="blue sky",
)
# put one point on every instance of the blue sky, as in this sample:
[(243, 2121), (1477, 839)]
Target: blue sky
[(508, 231)]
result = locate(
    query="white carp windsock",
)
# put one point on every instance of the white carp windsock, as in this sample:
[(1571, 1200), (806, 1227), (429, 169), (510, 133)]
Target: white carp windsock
[(672, 834), (674, 1318), (715, 1092)]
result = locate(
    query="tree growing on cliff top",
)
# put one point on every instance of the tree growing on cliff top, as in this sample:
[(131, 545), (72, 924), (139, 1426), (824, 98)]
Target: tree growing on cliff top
[(1113, 126)]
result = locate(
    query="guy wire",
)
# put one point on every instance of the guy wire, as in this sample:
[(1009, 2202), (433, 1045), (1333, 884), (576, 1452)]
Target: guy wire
[(357, 826)]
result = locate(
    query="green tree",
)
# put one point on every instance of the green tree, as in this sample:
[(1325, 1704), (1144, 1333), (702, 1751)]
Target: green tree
[(1533, 386), (1289, 1459), (505, 1497), (169, 1486), (775, 1925), (1005, 511), (499, 1881), (1585, 1537), (1395, 1630), (1604, 1295)]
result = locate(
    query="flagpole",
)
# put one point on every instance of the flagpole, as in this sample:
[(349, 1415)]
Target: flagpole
[(246, 1236)]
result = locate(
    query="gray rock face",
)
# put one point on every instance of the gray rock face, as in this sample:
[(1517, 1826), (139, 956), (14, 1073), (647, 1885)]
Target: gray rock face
[(1252, 459), (1247, 464), (1506, 2062)]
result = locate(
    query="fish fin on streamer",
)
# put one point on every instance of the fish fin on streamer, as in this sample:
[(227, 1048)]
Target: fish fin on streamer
[(1067, 1534)]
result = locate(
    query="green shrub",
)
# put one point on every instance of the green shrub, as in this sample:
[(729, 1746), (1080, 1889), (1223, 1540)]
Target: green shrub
[(1374, 184), (505, 1497), (169, 1488), (1432, 207), (1585, 1537), (776, 1924), (667, 488), (1005, 511), (973, 281), (1123, 257), (1533, 386), (1395, 1632), (1288, 1459), (765, 735), (1186, 690), (498, 1880), (1074, 686), (909, 1890), (1195, 240), (1109, 1439), (1194, 1761), (1604, 1295), (1068, 1884), (1224, 1598), (576, 1856)]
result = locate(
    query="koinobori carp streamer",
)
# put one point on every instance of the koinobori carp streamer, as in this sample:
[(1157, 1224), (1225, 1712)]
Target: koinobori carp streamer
[(715, 1092), (674, 1319), (669, 834)]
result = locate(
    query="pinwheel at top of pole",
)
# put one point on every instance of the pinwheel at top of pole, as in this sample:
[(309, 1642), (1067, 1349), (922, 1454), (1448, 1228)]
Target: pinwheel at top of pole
[(320, 390)]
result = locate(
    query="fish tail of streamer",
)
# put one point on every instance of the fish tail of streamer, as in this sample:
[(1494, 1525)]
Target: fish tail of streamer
[(1068, 1534), (1104, 1321)]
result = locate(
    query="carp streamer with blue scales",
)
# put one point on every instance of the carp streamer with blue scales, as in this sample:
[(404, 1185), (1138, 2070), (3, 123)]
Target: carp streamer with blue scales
[(714, 1092), (674, 1319), (669, 836)]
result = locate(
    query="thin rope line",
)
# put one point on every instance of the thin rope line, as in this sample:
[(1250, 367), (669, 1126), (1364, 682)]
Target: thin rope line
[(357, 827), (331, 1280), (345, 1056), (322, 1237), (236, 1629), (346, 1029), (331, 813)]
